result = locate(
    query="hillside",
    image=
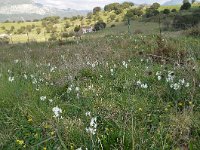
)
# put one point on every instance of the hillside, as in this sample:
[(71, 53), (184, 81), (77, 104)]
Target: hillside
[(132, 82), (29, 10), (110, 89)]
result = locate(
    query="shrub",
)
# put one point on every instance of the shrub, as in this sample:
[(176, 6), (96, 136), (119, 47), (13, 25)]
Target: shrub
[(66, 35), (166, 11), (53, 37), (186, 21), (3, 27), (185, 6), (96, 10), (133, 13), (77, 28), (67, 24), (99, 26), (113, 16), (38, 30), (194, 31), (174, 10), (155, 6), (151, 12), (113, 25), (4, 40), (125, 5), (138, 31)]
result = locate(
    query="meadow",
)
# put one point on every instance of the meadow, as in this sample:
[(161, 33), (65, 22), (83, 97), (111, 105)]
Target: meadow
[(110, 90)]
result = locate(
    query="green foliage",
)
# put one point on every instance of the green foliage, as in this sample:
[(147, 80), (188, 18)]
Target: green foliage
[(155, 6), (67, 24), (151, 12), (77, 28), (113, 25), (116, 7), (66, 34), (113, 16), (186, 21), (96, 10), (134, 13), (126, 5), (38, 30), (28, 28), (50, 20), (166, 11), (21, 30), (194, 31), (185, 6), (173, 10), (99, 25), (3, 27), (113, 81), (53, 37), (4, 40)]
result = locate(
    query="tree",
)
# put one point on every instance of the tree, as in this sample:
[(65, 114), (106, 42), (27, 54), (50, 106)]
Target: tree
[(38, 30), (133, 13), (12, 28), (151, 12), (77, 28), (113, 16), (185, 6), (3, 27), (96, 10), (125, 5), (174, 10), (114, 7), (155, 6), (166, 11), (99, 26), (67, 24)]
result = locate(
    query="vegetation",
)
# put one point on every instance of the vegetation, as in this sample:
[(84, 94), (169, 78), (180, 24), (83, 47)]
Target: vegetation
[(123, 87)]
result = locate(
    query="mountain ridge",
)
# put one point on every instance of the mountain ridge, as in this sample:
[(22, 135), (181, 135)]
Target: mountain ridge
[(13, 10)]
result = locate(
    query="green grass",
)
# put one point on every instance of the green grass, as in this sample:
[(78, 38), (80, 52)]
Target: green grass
[(101, 75)]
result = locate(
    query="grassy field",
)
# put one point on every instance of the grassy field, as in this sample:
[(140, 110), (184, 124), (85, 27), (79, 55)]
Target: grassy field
[(111, 90), (110, 18)]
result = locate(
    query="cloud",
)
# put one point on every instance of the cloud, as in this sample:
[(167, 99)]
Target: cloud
[(88, 4)]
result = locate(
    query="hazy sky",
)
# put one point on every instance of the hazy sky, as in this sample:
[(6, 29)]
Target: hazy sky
[(88, 4)]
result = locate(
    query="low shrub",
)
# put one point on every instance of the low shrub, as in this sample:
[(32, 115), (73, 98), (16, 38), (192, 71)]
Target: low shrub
[(194, 31)]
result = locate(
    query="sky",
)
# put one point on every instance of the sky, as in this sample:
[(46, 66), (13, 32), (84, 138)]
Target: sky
[(88, 4)]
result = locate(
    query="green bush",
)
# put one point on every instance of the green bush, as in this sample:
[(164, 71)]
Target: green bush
[(77, 28), (99, 26), (53, 37), (194, 31), (66, 34), (113, 25), (133, 13), (166, 11), (174, 10), (185, 6), (38, 30), (4, 40), (186, 21)]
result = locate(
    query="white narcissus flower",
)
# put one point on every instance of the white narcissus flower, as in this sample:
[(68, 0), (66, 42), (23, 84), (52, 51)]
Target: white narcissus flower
[(57, 111), (43, 98), (11, 79)]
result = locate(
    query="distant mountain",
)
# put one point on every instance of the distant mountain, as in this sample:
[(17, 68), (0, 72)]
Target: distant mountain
[(175, 2), (29, 10)]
